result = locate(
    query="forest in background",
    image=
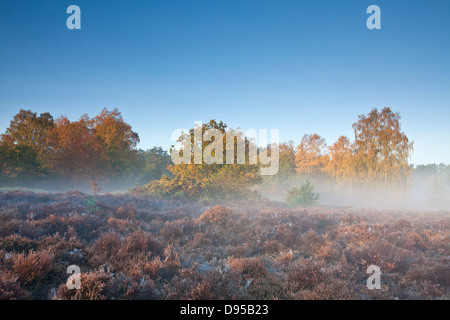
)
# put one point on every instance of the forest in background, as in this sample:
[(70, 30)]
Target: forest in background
[(54, 154), (101, 154)]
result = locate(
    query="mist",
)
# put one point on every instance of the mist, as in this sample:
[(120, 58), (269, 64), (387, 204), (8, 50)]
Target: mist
[(422, 192)]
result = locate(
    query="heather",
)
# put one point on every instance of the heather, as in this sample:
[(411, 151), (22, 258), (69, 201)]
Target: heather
[(139, 247)]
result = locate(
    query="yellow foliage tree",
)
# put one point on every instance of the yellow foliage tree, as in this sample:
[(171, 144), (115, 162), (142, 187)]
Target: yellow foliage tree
[(311, 158), (200, 179), (382, 150), (341, 164)]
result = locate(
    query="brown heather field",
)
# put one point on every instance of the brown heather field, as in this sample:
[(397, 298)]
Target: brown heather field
[(135, 247)]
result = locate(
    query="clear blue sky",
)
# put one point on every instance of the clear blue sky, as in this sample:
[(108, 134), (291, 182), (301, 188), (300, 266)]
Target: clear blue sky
[(298, 66)]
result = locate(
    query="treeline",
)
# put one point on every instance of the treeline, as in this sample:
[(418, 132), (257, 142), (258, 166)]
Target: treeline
[(437, 179), (102, 149), (379, 153), (378, 156)]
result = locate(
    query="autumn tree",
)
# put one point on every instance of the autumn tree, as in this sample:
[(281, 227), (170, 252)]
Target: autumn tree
[(102, 147), (28, 131), (27, 128), (311, 157), (24, 145), (77, 153), (341, 164), (118, 140), (198, 177), (382, 150)]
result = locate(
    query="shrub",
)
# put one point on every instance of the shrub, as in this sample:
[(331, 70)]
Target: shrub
[(91, 205), (10, 289), (17, 243), (305, 274), (32, 267), (333, 290), (218, 216), (92, 288), (152, 267), (305, 196), (249, 267), (175, 249)]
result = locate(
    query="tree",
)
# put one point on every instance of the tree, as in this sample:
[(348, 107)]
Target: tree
[(382, 150), (24, 145), (28, 130), (436, 178), (19, 163), (77, 153), (152, 164), (99, 148), (341, 164), (200, 179), (311, 157), (118, 140), (287, 160), (286, 167)]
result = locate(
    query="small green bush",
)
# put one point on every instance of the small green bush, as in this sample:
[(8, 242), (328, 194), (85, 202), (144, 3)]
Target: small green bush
[(305, 196), (91, 205)]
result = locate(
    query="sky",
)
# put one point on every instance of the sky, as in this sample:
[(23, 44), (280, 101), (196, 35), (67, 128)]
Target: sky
[(298, 66)]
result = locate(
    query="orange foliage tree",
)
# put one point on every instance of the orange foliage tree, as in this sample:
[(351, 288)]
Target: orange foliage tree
[(93, 148), (90, 148), (311, 158), (117, 139), (199, 179), (76, 151), (379, 155), (382, 150), (341, 164)]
